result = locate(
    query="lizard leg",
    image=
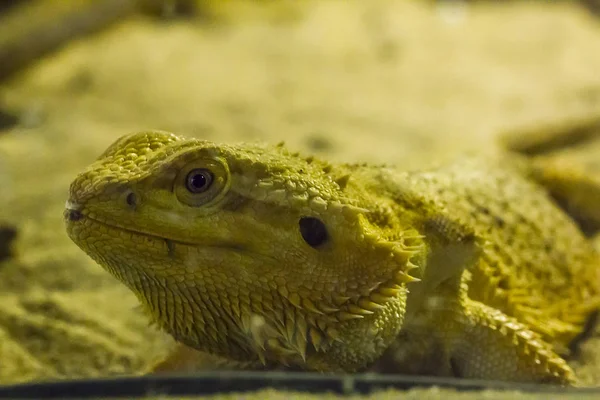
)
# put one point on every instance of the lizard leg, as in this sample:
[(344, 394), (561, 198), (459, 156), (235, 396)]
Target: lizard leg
[(551, 137), (473, 341), (574, 182), (565, 161), (465, 338), (496, 346)]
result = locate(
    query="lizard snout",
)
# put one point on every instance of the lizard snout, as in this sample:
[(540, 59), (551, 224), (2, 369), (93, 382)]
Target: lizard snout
[(72, 212)]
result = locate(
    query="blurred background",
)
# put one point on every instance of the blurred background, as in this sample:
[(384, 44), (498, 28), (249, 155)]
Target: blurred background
[(403, 82)]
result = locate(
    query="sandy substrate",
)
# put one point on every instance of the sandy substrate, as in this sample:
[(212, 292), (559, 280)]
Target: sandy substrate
[(381, 80)]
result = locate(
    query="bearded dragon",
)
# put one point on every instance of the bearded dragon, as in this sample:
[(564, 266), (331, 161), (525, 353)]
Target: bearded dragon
[(268, 259)]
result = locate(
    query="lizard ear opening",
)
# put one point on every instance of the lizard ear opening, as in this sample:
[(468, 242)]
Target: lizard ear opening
[(202, 183), (313, 231)]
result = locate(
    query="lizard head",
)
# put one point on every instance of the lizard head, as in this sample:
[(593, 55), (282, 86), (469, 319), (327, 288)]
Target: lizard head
[(250, 252)]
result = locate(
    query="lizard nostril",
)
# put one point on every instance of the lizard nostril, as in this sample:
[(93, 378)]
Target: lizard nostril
[(74, 215), (131, 200)]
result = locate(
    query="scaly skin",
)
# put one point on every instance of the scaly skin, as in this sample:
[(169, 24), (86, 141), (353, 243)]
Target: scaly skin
[(267, 259)]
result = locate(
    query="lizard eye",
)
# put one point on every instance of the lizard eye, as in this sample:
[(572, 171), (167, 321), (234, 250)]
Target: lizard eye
[(202, 182), (198, 180), (313, 231)]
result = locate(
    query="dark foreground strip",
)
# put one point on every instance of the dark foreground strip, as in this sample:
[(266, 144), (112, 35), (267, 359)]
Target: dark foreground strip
[(237, 382)]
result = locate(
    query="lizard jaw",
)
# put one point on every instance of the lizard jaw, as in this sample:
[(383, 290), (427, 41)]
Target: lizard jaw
[(74, 213)]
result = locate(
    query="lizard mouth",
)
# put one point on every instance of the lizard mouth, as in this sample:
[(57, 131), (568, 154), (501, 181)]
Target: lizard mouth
[(74, 215), (77, 217)]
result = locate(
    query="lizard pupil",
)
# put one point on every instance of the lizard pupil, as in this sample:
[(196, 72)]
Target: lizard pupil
[(313, 231), (199, 180)]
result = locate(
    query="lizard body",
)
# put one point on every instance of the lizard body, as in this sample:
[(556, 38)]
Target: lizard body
[(266, 258)]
